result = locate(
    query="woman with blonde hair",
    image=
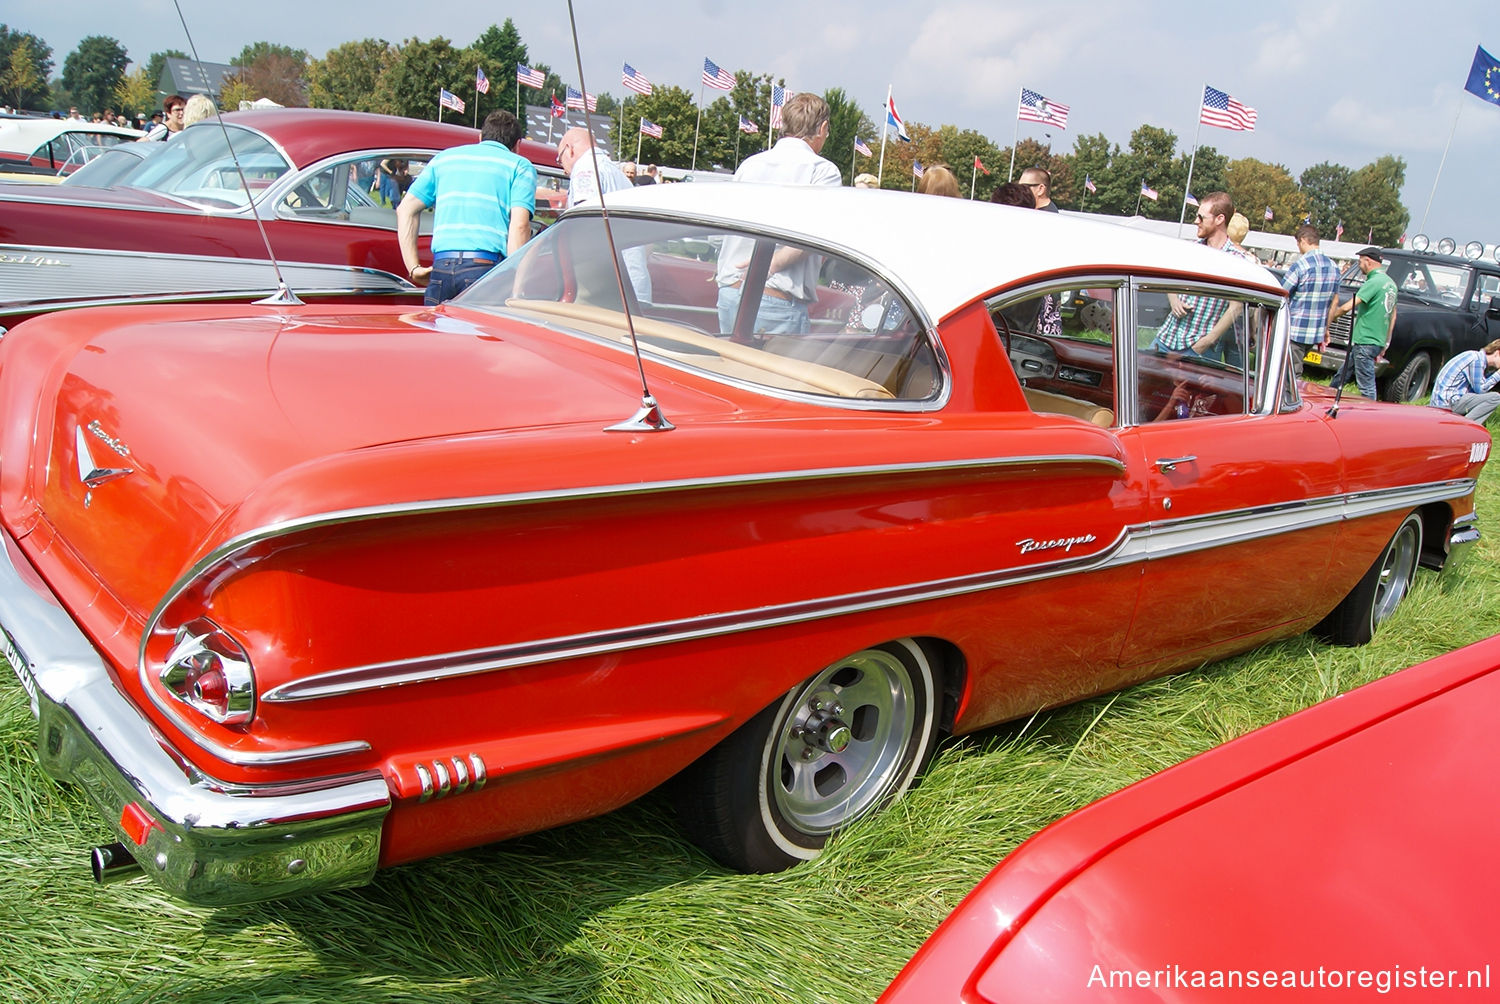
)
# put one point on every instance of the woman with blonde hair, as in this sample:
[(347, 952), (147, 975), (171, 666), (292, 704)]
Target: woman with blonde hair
[(938, 180)]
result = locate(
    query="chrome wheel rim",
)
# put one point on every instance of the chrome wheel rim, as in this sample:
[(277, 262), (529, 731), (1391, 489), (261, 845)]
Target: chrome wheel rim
[(1396, 572), (841, 744)]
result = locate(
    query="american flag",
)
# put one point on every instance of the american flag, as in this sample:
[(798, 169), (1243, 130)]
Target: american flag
[(1147, 192), (531, 78), (1088, 182), (1268, 212), (576, 100), (715, 77), (916, 168), (649, 128), (1192, 199), (1219, 109), (633, 80), (778, 98), (1035, 108), (1338, 231), (746, 126), (861, 148), (481, 82), (892, 117), (447, 99), (978, 166)]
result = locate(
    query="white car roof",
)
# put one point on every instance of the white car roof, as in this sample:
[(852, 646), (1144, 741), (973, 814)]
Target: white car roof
[(948, 252), (25, 135)]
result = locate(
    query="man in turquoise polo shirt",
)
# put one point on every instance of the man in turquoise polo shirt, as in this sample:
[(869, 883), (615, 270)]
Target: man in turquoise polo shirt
[(482, 197), (1373, 323)]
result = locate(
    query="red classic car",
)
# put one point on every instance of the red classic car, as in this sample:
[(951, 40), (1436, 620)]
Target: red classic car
[(1348, 849), (298, 592), (179, 224)]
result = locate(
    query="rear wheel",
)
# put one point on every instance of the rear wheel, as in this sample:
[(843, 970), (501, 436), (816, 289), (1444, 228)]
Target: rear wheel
[(1413, 382), (1380, 591), (836, 748)]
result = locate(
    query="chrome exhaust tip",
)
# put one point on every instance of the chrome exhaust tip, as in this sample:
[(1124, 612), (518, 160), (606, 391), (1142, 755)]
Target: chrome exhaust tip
[(112, 863)]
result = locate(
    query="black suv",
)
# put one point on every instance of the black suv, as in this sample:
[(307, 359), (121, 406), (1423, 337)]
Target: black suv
[(1444, 306)]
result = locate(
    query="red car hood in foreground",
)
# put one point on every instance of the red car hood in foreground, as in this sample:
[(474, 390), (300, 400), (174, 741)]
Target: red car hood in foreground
[(271, 419), (1348, 848)]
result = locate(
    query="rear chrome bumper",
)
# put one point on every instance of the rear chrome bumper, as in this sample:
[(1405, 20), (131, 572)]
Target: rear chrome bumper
[(206, 841)]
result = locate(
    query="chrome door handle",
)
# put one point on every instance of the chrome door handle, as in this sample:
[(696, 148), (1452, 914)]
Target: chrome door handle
[(1168, 464)]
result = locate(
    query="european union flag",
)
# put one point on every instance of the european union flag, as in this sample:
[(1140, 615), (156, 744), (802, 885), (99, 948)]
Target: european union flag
[(1484, 77)]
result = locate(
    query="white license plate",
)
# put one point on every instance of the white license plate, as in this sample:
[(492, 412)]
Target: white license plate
[(17, 660)]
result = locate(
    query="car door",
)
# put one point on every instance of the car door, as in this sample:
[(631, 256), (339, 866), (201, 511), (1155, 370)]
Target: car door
[(1241, 478)]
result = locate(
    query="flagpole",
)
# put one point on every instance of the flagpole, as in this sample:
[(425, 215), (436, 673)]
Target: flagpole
[(1192, 163), (1015, 138), (698, 126), (1423, 227), (476, 97), (973, 182), (518, 96), (638, 136), (886, 119), (620, 135)]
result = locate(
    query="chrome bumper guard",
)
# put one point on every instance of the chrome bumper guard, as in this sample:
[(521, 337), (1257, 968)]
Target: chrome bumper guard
[(1461, 539), (208, 841)]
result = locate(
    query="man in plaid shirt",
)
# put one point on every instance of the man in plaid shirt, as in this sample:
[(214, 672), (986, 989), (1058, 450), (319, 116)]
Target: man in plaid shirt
[(1462, 387), (1312, 282), (1197, 323)]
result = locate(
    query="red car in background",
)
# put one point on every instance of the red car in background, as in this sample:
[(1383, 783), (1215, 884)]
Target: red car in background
[(183, 225), (1346, 849)]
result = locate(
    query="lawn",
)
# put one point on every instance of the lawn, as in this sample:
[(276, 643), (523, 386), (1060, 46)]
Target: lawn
[(622, 909)]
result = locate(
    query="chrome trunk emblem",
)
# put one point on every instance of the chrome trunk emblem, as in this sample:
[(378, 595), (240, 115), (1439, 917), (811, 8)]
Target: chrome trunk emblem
[(89, 472)]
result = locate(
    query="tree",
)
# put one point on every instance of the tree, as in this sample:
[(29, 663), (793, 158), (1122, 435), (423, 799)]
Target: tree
[(1256, 186), (348, 76), (410, 84), (93, 71), (271, 70), (1210, 174), (845, 121), (1150, 160), (157, 63), (1090, 161), (25, 64), (257, 51), (498, 51), (674, 110), (235, 91), (1326, 188), (136, 94), (1374, 209)]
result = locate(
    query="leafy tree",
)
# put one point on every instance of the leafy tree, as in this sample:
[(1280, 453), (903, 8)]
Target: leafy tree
[(1374, 209), (1326, 187), (257, 51), (1256, 186), (1151, 159), (672, 108), (277, 76), (498, 51), (93, 71), (410, 84), (25, 64), (136, 94), (157, 63), (1090, 160), (348, 76), (845, 121), (235, 90), (1210, 174)]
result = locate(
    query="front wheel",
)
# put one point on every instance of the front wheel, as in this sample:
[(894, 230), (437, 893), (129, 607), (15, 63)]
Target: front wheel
[(1413, 382), (836, 748), (1380, 591)]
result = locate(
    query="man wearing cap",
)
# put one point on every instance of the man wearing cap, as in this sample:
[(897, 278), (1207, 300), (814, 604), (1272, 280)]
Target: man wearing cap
[(1374, 320), (482, 197)]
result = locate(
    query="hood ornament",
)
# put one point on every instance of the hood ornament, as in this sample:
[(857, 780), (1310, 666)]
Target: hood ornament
[(89, 472)]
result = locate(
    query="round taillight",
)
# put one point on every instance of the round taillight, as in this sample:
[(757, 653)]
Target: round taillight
[(209, 671)]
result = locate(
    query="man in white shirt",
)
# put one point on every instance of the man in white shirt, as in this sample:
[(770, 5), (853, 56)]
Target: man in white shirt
[(792, 275), (576, 153)]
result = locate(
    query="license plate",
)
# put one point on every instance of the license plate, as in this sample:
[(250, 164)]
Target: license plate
[(1316, 358), (17, 660)]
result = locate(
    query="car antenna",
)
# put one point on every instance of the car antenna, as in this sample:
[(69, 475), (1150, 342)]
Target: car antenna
[(283, 297), (649, 417)]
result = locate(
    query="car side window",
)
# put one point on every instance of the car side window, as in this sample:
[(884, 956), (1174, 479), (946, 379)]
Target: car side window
[(1489, 287), (1061, 344), (1197, 352), (362, 192)]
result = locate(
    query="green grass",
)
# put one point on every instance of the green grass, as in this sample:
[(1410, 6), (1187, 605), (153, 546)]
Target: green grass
[(622, 909)]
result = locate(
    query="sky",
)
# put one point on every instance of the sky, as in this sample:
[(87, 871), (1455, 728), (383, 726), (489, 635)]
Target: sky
[(1336, 80)]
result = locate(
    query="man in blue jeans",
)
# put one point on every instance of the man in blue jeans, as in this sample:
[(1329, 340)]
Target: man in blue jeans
[(482, 196), (1370, 334)]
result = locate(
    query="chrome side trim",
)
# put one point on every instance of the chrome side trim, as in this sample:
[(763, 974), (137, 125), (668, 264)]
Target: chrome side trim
[(1152, 541)]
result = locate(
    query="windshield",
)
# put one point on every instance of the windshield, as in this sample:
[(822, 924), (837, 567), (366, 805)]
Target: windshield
[(1430, 280), (196, 166), (741, 307)]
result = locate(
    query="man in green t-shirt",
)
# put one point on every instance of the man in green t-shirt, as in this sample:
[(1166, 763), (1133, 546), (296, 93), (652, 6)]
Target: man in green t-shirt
[(1373, 323)]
